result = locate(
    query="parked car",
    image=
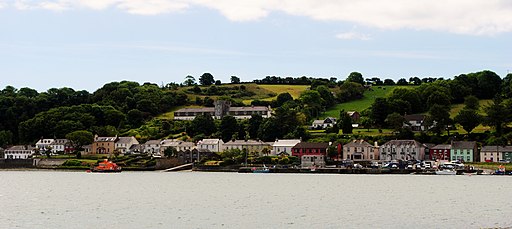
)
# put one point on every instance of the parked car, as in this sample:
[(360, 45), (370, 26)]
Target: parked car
[(504, 161)]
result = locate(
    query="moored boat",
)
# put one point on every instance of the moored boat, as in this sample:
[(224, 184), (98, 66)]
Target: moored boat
[(446, 172), (106, 167)]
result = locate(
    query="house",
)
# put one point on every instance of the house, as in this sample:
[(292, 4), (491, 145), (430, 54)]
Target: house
[(464, 151), (440, 152), (44, 144), (87, 149), (309, 148), (19, 152), (176, 144), (322, 124), (103, 145), (213, 145), (495, 153), (312, 161), (354, 115), (123, 144), (358, 150), (250, 146), (61, 146), (151, 147), (416, 122), (402, 150), (221, 109), (284, 146), (135, 149)]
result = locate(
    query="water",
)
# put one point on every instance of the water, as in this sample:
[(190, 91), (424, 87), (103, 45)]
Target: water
[(49, 199)]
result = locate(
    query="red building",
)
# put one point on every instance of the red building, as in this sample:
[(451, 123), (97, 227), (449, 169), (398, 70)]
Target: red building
[(309, 148), (440, 152)]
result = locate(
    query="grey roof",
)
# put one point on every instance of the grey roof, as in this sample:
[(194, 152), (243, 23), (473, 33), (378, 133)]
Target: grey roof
[(204, 109), (442, 147), (210, 141), (463, 145), (311, 145), (21, 147), (286, 142), (255, 108), (124, 140), (415, 117), (358, 143), (60, 142), (153, 142), (496, 148), (248, 142), (176, 143), (136, 147), (402, 142)]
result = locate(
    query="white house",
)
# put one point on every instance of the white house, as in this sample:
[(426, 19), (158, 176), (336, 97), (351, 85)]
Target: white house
[(44, 143), (60, 146), (284, 146), (212, 145), (19, 152), (177, 144), (151, 147), (251, 146), (402, 150), (123, 144), (328, 122), (359, 150)]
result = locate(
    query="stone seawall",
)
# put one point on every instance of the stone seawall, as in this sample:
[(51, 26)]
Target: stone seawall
[(16, 163), (166, 163), (48, 163)]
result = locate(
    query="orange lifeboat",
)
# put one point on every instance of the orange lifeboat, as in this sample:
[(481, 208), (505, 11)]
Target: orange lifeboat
[(107, 167)]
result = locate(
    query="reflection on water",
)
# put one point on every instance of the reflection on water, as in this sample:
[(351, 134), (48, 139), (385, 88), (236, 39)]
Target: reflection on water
[(47, 199)]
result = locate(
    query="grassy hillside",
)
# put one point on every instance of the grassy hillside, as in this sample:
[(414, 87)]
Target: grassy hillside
[(360, 104), (294, 91)]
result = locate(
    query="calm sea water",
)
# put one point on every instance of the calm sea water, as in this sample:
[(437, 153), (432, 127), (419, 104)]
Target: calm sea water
[(49, 199)]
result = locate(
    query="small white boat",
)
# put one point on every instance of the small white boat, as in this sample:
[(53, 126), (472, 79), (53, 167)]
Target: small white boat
[(446, 172)]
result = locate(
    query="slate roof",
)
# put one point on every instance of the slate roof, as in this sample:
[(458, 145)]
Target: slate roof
[(105, 139), (442, 147), (248, 142), (402, 142), (498, 148), (286, 142), (415, 117), (153, 142), (358, 143), (311, 145), (463, 145), (124, 140), (209, 141)]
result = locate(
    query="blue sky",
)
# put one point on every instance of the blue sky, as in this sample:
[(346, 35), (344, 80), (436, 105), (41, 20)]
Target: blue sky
[(84, 44)]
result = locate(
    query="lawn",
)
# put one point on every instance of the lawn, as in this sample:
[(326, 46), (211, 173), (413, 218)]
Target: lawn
[(457, 107), (360, 104)]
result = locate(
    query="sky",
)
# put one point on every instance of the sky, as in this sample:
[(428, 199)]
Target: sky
[(84, 44)]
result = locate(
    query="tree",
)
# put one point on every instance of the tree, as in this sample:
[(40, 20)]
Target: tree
[(471, 102), (218, 82), (189, 80), (5, 138), (170, 152), (389, 82), (254, 124), (228, 128), (366, 123), (402, 81), (202, 124), (356, 77), (135, 117), (395, 121), (283, 98), (235, 80), (439, 118), (468, 119), (206, 79), (80, 138), (497, 114), (345, 122), (379, 111), (326, 95)]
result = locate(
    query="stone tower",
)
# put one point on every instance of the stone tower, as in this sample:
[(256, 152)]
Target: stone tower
[(221, 108)]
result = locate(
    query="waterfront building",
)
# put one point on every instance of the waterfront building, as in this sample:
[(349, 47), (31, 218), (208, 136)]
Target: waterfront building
[(61, 146), (464, 151), (176, 144), (250, 146), (212, 145), (103, 145), (440, 152), (312, 161), (309, 148), (19, 152), (358, 150), (43, 144), (402, 150), (284, 146), (124, 144), (495, 153), (354, 115), (221, 109), (151, 147)]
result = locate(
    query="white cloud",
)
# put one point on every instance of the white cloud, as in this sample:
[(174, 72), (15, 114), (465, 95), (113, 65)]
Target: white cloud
[(353, 36), (476, 17)]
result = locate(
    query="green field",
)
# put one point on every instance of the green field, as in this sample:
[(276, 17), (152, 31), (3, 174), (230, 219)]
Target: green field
[(360, 104), (294, 90)]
